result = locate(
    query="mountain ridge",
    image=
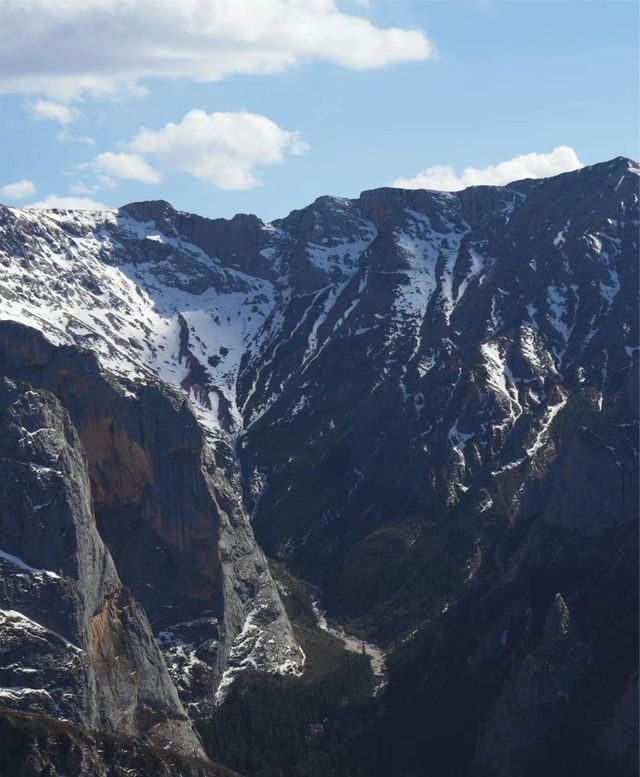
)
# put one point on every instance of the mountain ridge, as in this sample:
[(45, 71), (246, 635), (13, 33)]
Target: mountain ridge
[(621, 161)]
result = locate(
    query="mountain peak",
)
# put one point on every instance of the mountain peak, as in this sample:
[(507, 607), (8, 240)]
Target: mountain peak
[(160, 212)]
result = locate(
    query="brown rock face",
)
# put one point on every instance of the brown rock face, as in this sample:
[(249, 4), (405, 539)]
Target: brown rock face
[(152, 504), (72, 640), (170, 515)]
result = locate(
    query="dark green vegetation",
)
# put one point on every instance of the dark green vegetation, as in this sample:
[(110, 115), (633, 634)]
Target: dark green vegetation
[(270, 727), (445, 687), (567, 656), (285, 727), (273, 727)]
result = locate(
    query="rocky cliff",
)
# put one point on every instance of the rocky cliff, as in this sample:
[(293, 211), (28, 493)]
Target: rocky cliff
[(73, 643), (166, 507)]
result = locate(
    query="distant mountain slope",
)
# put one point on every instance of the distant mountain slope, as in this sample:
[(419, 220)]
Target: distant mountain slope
[(435, 383)]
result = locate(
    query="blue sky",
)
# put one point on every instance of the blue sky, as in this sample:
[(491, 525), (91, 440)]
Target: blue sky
[(463, 84)]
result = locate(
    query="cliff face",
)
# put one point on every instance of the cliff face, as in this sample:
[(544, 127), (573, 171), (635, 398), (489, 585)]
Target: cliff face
[(167, 508), (73, 641)]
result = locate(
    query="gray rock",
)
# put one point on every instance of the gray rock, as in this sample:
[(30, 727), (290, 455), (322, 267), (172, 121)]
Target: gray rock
[(73, 641)]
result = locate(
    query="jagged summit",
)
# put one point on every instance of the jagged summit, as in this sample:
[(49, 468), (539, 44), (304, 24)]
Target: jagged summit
[(326, 201), (150, 209), (233, 274)]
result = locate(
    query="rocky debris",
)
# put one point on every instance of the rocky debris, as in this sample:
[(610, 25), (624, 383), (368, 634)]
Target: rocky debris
[(355, 645)]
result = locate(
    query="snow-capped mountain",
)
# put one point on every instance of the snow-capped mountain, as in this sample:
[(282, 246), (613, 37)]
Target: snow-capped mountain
[(399, 394)]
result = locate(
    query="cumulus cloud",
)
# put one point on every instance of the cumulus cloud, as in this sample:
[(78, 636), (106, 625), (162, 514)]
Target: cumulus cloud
[(69, 48), (67, 203), (18, 190), (80, 188), (562, 159), (223, 149), (128, 166), (64, 136), (54, 111)]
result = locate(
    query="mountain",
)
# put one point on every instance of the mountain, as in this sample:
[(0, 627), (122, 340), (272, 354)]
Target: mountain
[(425, 404)]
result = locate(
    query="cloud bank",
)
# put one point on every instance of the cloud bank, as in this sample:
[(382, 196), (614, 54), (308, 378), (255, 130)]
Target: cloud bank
[(226, 150), (49, 109), (562, 159), (128, 166), (18, 190), (67, 203), (67, 49)]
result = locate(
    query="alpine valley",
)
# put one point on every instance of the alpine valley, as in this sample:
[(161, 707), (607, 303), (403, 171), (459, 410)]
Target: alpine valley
[(349, 494)]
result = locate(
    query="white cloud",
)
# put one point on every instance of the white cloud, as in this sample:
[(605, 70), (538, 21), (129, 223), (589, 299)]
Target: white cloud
[(443, 178), (128, 166), (64, 136), (67, 203), (223, 149), (70, 48), (81, 188), (49, 109), (18, 190)]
